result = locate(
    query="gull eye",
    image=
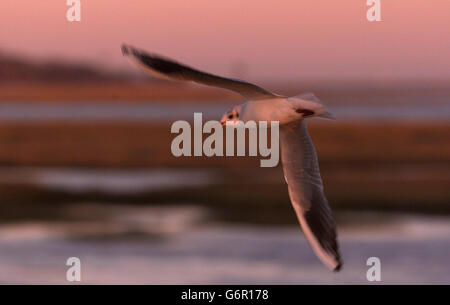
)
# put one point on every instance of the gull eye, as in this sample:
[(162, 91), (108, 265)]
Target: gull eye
[(230, 116)]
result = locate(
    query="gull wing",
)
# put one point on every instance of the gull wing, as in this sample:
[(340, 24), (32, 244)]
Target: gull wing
[(162, 67), (302, 174)]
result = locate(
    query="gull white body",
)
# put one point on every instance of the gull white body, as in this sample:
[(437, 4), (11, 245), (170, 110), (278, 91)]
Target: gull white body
[(282, 109), (274, 109)]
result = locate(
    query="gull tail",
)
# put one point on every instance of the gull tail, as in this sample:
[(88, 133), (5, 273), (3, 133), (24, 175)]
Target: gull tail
[(310, 104)]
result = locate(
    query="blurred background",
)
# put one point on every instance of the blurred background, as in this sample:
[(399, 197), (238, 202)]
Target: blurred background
[(85, 162)]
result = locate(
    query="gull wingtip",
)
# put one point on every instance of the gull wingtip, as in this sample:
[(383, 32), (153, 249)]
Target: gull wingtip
[(127, 49), (124, 49), (338, 267)]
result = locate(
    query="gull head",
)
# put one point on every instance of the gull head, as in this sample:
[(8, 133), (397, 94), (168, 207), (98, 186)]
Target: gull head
[(233, 115)]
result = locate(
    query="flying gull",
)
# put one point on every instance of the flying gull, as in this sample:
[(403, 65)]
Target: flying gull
[(298, 156)]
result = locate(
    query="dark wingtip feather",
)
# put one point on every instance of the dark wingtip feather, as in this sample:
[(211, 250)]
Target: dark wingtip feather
[(125, 50), (128, 50), (338, 267)]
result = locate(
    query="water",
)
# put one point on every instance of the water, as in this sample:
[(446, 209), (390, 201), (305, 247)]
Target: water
[(184, 244), (111, 181), (160, 112), (223, 254)]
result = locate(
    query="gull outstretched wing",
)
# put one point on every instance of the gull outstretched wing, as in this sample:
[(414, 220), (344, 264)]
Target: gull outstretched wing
[(301, 170), (162, 67)]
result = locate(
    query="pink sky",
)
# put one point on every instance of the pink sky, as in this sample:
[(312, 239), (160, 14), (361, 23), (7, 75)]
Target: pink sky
[(276, 39)]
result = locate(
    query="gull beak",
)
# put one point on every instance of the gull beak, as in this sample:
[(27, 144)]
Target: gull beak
[(223, 121)]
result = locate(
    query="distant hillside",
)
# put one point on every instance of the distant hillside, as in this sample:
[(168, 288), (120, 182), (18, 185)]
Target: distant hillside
[(15, 69)]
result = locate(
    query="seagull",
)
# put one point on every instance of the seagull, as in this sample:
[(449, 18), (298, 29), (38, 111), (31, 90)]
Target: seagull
[(298, 155)]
